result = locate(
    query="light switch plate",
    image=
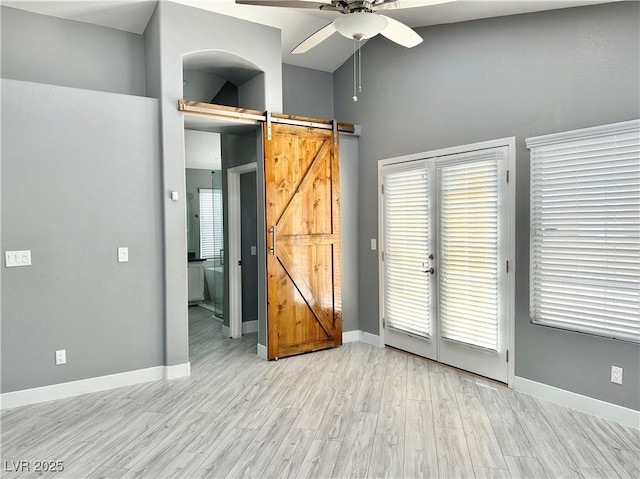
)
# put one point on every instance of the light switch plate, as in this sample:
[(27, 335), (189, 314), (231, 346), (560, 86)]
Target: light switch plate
[(17, 258), (123, 255), (254, 251), (174, 195), (374, 245)]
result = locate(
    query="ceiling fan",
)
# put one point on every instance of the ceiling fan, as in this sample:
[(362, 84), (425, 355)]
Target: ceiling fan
[(359, 21)]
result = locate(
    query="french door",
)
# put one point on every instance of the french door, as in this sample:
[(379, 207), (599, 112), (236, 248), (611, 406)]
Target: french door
[(444, 259)]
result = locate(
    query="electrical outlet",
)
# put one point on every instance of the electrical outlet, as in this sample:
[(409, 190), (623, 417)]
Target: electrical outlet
[(123, 255), (61, 357), (616, 374)]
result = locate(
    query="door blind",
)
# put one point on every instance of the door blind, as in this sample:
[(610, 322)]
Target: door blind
[(585, 231), (211, 234), (406, 250), (468, 267)]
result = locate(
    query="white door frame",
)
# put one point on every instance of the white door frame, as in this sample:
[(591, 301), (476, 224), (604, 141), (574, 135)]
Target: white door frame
[(510, 143), (234, 213)]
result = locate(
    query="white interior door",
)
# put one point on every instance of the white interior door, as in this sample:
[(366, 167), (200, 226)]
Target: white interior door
[(444, 234)]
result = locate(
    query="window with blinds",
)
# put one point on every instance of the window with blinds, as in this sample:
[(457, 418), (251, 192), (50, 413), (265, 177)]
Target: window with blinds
[(585, 230), (406, 236), (468, 278), (211, 238)]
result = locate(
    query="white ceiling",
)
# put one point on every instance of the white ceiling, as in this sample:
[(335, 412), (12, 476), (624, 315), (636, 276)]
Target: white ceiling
[(295, 24)]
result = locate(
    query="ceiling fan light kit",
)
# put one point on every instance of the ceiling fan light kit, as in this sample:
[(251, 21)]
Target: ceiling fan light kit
[(360, 25)]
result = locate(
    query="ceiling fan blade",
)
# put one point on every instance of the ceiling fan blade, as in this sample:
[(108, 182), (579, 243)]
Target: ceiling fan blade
[(287, 3), (386, 5), (315, 39), (397, 4), (400, 33)]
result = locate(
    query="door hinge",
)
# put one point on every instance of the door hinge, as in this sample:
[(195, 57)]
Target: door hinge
[(507, 355), (384, 323), (507, 266), (382, 188), (382, 252), (507, 176)]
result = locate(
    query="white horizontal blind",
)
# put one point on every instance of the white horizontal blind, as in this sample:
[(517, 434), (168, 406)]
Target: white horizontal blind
[(406, 250), (585, 231), (468, 286), (211, 233)]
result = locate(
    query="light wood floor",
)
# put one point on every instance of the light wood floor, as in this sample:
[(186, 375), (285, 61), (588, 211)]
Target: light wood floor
[(354, 411)]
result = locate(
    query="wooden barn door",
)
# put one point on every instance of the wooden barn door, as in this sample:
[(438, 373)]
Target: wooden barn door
[(303, 234)]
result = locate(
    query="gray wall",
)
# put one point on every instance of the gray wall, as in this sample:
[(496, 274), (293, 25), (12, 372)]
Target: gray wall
[(239, 149), (249, 238), (174, 31), (519, 76), (43, 49), (201, 86), (307, 92), (349, 231), (75, 187)]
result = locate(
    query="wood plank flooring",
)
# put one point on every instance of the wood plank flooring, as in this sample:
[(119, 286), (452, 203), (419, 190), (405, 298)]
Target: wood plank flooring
[(352, 412)]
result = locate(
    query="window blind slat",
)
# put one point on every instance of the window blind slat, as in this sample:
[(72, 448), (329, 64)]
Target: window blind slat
[(406, 210), (585, 231), (468, 293), (211, 232)]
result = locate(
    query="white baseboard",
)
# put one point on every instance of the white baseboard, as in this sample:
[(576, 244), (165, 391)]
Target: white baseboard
[(262, 351), (91, 385), (606, 410), (250, 326), (351, 336), (226, 332), (372, 339), (362, 336), (177, 371)]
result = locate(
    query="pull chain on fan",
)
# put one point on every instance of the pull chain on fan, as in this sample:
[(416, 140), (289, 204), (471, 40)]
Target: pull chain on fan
[(357, 50)]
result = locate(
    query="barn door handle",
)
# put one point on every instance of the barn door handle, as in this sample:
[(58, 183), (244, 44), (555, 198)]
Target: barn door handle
[(272, 232)]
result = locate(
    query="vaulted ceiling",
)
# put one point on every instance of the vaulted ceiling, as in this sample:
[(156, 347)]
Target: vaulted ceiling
[(295, 24)]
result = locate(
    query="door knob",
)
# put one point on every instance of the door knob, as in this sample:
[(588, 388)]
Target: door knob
[(430, 271)]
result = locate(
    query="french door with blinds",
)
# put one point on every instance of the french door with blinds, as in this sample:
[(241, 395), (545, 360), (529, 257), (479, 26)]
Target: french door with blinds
[(445, 293)]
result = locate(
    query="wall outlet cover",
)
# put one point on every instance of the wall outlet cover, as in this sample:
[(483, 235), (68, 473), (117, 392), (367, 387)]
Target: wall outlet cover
[(123, 255), (616, 374), (61, 357)]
